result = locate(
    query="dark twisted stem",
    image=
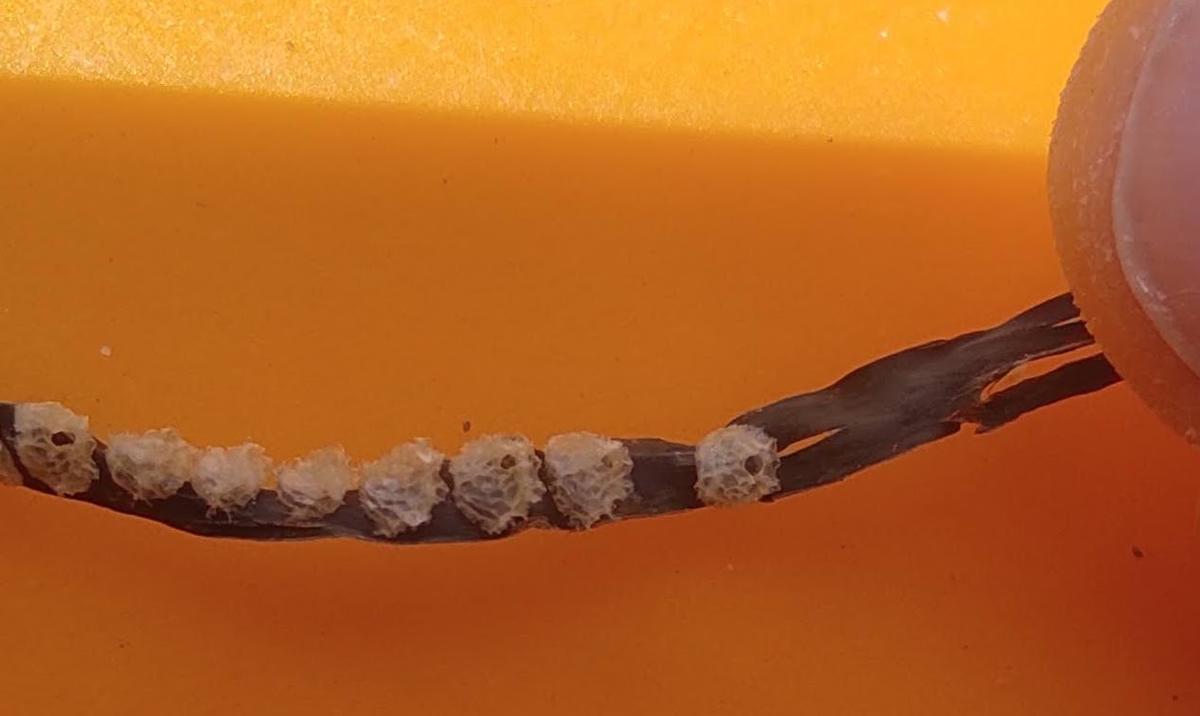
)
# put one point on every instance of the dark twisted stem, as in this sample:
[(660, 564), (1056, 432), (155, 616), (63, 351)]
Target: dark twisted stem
[(879, 411)]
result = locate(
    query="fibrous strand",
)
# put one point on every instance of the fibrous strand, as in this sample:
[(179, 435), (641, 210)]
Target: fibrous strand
[(499, 484)]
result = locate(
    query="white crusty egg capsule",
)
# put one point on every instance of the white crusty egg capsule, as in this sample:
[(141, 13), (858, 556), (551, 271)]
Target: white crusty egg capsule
[(588, 475), (55, 446), (315, 485), (400, 489), (152, 465), (496, 481), (229, 478), (736, 464)]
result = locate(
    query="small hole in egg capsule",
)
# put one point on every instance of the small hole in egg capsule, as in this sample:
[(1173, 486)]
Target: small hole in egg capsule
[(508, 462), (753, 464), (60, 438)]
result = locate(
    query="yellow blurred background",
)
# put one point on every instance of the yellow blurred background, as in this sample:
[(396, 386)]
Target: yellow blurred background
[(361, 222)]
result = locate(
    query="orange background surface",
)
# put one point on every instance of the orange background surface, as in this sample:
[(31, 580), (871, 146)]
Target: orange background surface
[(357, 223)]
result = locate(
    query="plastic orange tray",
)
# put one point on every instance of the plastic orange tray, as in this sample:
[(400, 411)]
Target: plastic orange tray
[(358, 223)]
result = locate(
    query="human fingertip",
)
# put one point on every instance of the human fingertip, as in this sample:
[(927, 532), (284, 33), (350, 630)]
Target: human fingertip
[(1123, 179)]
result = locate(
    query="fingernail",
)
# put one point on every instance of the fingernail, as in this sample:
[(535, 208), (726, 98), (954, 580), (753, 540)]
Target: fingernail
[(1156, 197)]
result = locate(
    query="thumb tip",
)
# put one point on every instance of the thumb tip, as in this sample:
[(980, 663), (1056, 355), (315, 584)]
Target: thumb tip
[(1156, 212), (1123, 177)]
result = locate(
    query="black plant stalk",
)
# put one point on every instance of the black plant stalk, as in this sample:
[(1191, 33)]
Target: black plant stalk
[(875, 413)]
